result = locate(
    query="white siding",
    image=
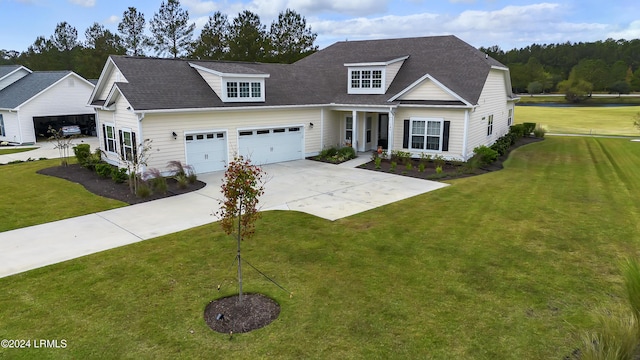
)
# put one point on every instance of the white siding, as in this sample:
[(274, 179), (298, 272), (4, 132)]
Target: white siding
[(427, 90), (121, 118), (115, 76), (165, 148), (13, 78), (12, 130), (456, 130), (214, 81), (67, 97), (391, 72), (493, 101)]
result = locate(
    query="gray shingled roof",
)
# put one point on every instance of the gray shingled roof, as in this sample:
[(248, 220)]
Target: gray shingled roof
[(29, 86), (320, 78)]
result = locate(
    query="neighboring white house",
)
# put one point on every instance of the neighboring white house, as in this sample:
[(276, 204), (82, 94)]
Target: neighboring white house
[(30, 101), (434, 95)]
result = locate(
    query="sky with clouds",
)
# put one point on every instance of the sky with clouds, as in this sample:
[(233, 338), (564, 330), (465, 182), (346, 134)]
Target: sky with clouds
[(506, 23)]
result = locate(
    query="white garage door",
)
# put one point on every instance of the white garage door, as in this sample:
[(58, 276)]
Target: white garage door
[(266, 146), (207, 152)]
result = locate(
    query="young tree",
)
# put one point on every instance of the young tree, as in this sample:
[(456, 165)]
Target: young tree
[(171, 29), (241, 187), (135, 159), (291, 40), (212, 44), (247, 38), (131, 29)]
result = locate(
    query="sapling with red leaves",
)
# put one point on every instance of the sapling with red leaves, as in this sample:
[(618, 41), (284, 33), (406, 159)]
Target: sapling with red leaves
[(242, 186)]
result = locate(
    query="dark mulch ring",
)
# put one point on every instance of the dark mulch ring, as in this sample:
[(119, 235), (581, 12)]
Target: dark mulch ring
[(450, 170), (228, 315), (108, 188)]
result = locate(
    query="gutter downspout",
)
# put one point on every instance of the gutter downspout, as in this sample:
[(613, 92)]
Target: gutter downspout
[(321, 128), (392, 116)]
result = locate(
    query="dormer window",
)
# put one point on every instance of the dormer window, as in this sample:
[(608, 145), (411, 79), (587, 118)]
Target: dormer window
[(366, 81), (239, 90)]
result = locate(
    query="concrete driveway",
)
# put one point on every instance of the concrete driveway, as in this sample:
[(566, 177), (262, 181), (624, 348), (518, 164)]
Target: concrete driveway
[(328, 191)]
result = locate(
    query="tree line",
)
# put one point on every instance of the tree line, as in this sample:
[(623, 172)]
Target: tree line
[(244, 38), (576, 69)]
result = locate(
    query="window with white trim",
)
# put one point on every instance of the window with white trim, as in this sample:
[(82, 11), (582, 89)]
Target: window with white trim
[(490, 125), (426, 134), (366, 80), (510, 118), (109, 138), (243, 90), (127, 145), (2, 131), (349, 129)]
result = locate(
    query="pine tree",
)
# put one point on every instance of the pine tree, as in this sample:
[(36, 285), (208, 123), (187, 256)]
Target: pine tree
[(171, 29)]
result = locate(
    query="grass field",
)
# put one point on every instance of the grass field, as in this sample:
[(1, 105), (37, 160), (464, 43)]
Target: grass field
[(31, 199), (6, 151), (582, 120), (507, 265)]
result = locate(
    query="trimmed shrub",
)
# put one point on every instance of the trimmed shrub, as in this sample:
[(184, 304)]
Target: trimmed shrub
[(485, 154), (82, 153), (517, 130), (347, 152), (104, 170), (119, 175)]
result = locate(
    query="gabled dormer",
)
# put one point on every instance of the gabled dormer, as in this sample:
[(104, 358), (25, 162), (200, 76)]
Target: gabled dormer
[(12, 73), (233, 82), (372, 77), (108, 77)]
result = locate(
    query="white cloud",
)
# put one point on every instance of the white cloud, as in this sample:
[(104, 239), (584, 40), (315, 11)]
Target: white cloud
[(113, 19), (631, 32), (199, 7), (84, 3), (351, 7), (509, 27)]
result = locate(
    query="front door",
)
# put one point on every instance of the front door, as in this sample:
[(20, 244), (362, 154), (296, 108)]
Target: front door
[(383, 130)]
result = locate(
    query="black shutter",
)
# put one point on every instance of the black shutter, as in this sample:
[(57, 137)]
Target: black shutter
[(134, 146), (121, 144), (104, 136), (405, 138), (445, 136)]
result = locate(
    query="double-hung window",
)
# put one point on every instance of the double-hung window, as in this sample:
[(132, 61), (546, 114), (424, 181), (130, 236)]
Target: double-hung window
[(349, 129), (109, 138), (490, 125), (128, 145), (2, 131), (510, 118), (426, 134)]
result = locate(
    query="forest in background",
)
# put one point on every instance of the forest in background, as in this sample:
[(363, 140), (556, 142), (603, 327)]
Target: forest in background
[(574, 69)]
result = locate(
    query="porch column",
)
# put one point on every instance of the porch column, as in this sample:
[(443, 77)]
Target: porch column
[(392, 116), (354, 130)]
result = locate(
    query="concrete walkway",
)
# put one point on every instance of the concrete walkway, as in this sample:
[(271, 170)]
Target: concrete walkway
[(325, 190)]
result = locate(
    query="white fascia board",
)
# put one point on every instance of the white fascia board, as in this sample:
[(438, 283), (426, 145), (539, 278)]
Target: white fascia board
[(438, 83), (380, 63), (221, 74), (113, 95), (103, 76), (437, 106), (231, 108), (500, 68)]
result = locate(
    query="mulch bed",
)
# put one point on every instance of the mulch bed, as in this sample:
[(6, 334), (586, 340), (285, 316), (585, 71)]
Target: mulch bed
[(106, 187), (449, 170), (228, 315)]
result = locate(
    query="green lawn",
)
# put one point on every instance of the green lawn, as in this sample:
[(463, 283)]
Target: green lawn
[(507, 265), (581, 120), (30, 199), (7, 151)]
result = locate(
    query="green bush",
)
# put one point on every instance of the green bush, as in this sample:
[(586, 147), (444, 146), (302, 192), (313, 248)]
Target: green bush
[(104, 170), (119, 175), (328, 152), (83, 153), (485, 154), (143, 190), (347, 152), (517, 130), (528, 128)]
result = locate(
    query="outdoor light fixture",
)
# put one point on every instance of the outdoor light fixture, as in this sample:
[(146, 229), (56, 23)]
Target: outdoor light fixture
[(311, 125), (175, 136)]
